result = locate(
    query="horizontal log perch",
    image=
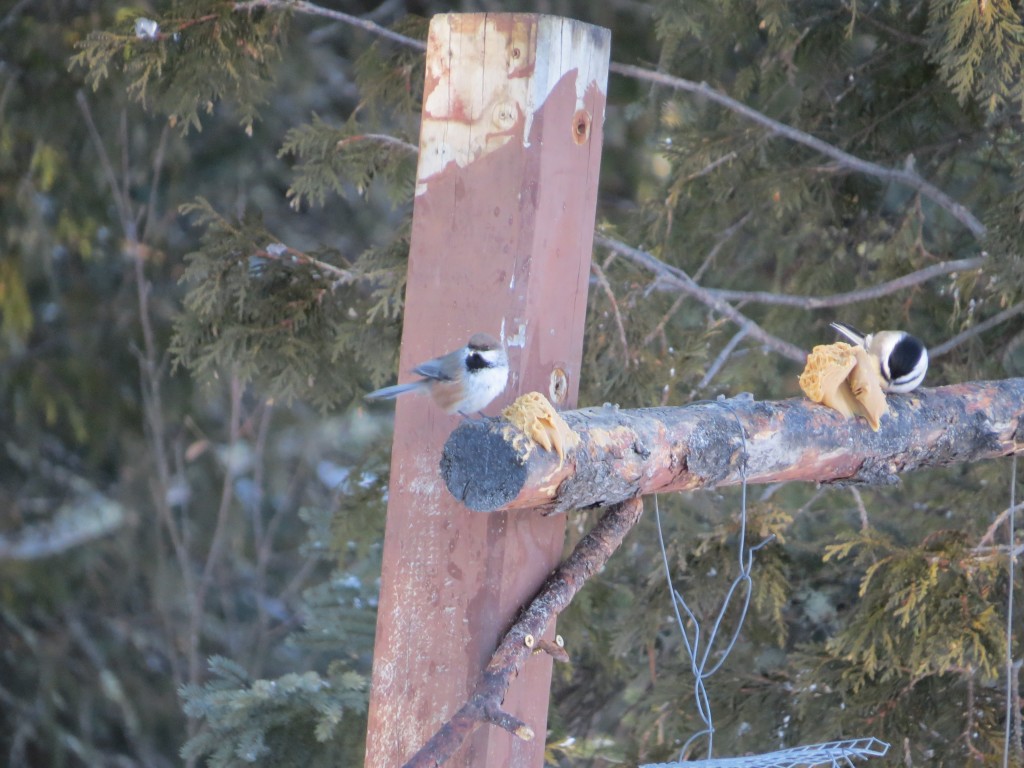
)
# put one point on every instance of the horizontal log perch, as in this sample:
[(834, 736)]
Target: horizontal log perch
[(489, 465)]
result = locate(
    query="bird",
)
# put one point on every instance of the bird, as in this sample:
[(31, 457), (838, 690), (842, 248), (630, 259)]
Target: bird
[(464, 381), (902, 358)]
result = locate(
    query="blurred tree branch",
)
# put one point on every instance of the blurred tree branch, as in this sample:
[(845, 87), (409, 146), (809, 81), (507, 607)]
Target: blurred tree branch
[(905, 176)]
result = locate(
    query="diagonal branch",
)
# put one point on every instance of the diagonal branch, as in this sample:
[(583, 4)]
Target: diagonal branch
[(901, 283), (904, 176), (909, 280), (997, 319), (302, 6), (679, 279), (484, 705)]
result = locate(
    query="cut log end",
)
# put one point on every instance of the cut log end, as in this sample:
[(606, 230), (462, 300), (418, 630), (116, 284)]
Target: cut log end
[(480, 468)]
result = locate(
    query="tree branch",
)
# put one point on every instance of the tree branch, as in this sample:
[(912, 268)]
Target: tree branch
[(489, 466), (903, 282), (484, 705), (302, 6), (902, 176), (906, 177), (686, 284), (997, 319)]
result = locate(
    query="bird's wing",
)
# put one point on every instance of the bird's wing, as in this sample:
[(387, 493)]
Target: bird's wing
[(432, 369), (850, 332)]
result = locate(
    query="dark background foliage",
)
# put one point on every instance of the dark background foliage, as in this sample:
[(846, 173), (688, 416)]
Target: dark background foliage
[(191, 490)]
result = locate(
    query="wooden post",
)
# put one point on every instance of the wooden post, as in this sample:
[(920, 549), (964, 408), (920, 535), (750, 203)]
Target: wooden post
[(510, 149)]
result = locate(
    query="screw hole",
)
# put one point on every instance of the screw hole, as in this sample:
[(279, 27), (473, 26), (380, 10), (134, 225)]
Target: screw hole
[(581, 126)]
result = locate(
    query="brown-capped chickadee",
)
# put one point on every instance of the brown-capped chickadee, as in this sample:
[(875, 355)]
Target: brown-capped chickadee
[(462, 381), (902, 357)]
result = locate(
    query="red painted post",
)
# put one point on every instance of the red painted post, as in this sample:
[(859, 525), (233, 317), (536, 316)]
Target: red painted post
[(510, 149)]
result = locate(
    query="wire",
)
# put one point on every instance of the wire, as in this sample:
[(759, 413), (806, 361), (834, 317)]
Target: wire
[(1010, 672), (699, 661)]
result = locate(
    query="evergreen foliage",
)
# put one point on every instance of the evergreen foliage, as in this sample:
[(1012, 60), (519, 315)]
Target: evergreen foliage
[(978, 50), (909, 614), (258, 722), (282, 318), (879, 613), (331, 159), (199, 53)]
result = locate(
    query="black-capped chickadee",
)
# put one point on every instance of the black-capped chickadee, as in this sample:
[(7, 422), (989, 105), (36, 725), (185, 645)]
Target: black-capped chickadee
[(463, 381), (902, 357)]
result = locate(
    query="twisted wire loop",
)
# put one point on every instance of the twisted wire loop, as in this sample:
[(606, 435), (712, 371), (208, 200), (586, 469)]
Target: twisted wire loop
[(834, 753)]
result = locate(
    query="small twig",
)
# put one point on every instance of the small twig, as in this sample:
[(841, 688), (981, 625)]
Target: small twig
[(862, 510), (263, 545), (685, 283), (381, 138), (723, 356), (552, 648), (904, 176), (968, 733), (588, 558), (603, 282), (728, 157), (1007, 314), (158, 165), (123, 212), (218, 539), (896, 33), (720, 242), (990, 533), (302, 6), (286, 254), (659, 329)]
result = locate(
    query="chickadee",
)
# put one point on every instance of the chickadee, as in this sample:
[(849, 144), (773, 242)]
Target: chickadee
[(462, 381), (902, 357)]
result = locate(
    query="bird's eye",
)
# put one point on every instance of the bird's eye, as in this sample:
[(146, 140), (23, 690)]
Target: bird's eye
[(475, 361)]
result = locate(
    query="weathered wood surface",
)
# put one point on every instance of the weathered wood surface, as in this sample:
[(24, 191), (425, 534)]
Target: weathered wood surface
[(503, 220), (628, 453)]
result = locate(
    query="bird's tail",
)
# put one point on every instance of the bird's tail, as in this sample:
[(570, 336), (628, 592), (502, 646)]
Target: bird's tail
[(389, 393)]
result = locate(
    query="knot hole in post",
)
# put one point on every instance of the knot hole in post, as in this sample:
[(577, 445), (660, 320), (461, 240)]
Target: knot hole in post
[(558, 387), (581, 126)]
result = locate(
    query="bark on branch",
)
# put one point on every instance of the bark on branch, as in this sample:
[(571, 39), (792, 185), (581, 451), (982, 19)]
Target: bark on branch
[(489, 466)]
